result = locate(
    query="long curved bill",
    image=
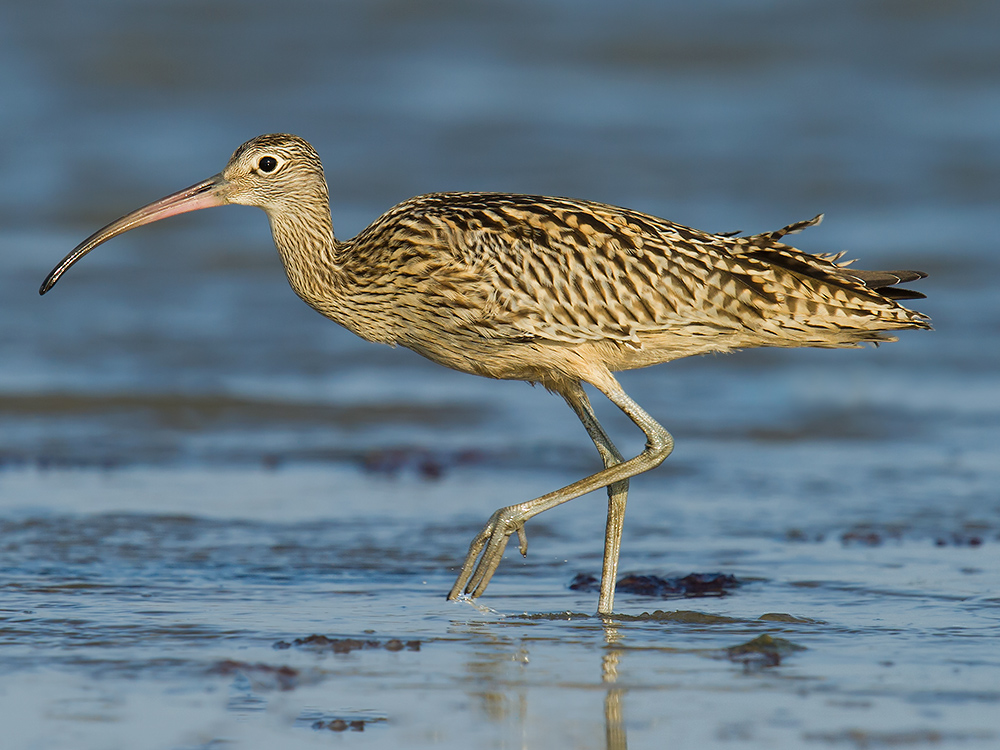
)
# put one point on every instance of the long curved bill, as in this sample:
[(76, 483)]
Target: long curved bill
[(205, 194)]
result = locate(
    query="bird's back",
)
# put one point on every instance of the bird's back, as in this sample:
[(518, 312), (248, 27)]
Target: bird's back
[(519, 268)]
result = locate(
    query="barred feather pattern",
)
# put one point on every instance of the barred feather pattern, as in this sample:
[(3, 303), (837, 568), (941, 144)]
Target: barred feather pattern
[(554, 289)]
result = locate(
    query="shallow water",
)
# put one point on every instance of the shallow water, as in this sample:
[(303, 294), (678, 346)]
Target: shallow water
[(197, 473)]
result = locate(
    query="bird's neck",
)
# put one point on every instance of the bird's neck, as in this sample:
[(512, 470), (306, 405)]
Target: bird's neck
[(308, 250), (319, 271)]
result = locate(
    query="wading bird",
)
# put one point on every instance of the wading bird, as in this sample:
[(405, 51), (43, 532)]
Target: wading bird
[(547, 290)]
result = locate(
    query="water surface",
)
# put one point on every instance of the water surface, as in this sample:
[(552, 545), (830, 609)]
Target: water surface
[(198, 473)]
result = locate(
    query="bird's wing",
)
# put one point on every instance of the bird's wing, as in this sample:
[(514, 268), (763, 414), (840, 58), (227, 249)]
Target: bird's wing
[(577, 271)]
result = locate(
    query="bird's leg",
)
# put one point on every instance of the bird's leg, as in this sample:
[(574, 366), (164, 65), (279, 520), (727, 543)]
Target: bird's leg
[(492, 540), (617, 494)]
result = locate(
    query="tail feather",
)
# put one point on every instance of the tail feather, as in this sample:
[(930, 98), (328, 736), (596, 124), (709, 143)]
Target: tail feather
[(880, 282), (884, 282)]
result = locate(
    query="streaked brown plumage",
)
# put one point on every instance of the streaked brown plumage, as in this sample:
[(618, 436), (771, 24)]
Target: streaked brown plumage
[(549, 290)]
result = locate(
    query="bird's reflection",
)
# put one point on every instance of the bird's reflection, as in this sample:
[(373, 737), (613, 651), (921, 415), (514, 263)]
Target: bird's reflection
[(614, 723), (499, 685)]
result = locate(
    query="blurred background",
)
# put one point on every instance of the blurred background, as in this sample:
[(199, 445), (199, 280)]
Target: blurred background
[(173, 378), (723, 116)]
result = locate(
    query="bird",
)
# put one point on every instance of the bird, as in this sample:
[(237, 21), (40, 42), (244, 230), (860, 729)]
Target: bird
[(552, 291)]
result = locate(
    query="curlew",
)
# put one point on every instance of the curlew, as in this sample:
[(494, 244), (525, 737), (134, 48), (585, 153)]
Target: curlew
[(547, 290)]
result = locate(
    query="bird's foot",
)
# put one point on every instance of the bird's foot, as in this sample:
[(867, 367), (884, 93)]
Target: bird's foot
[(491, 542)]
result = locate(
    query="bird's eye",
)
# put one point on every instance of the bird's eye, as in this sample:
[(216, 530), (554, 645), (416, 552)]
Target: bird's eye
[(267, 164)]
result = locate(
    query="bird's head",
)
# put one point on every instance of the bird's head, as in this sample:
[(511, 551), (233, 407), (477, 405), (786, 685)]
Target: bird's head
[(273, 172), (277, 173)]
